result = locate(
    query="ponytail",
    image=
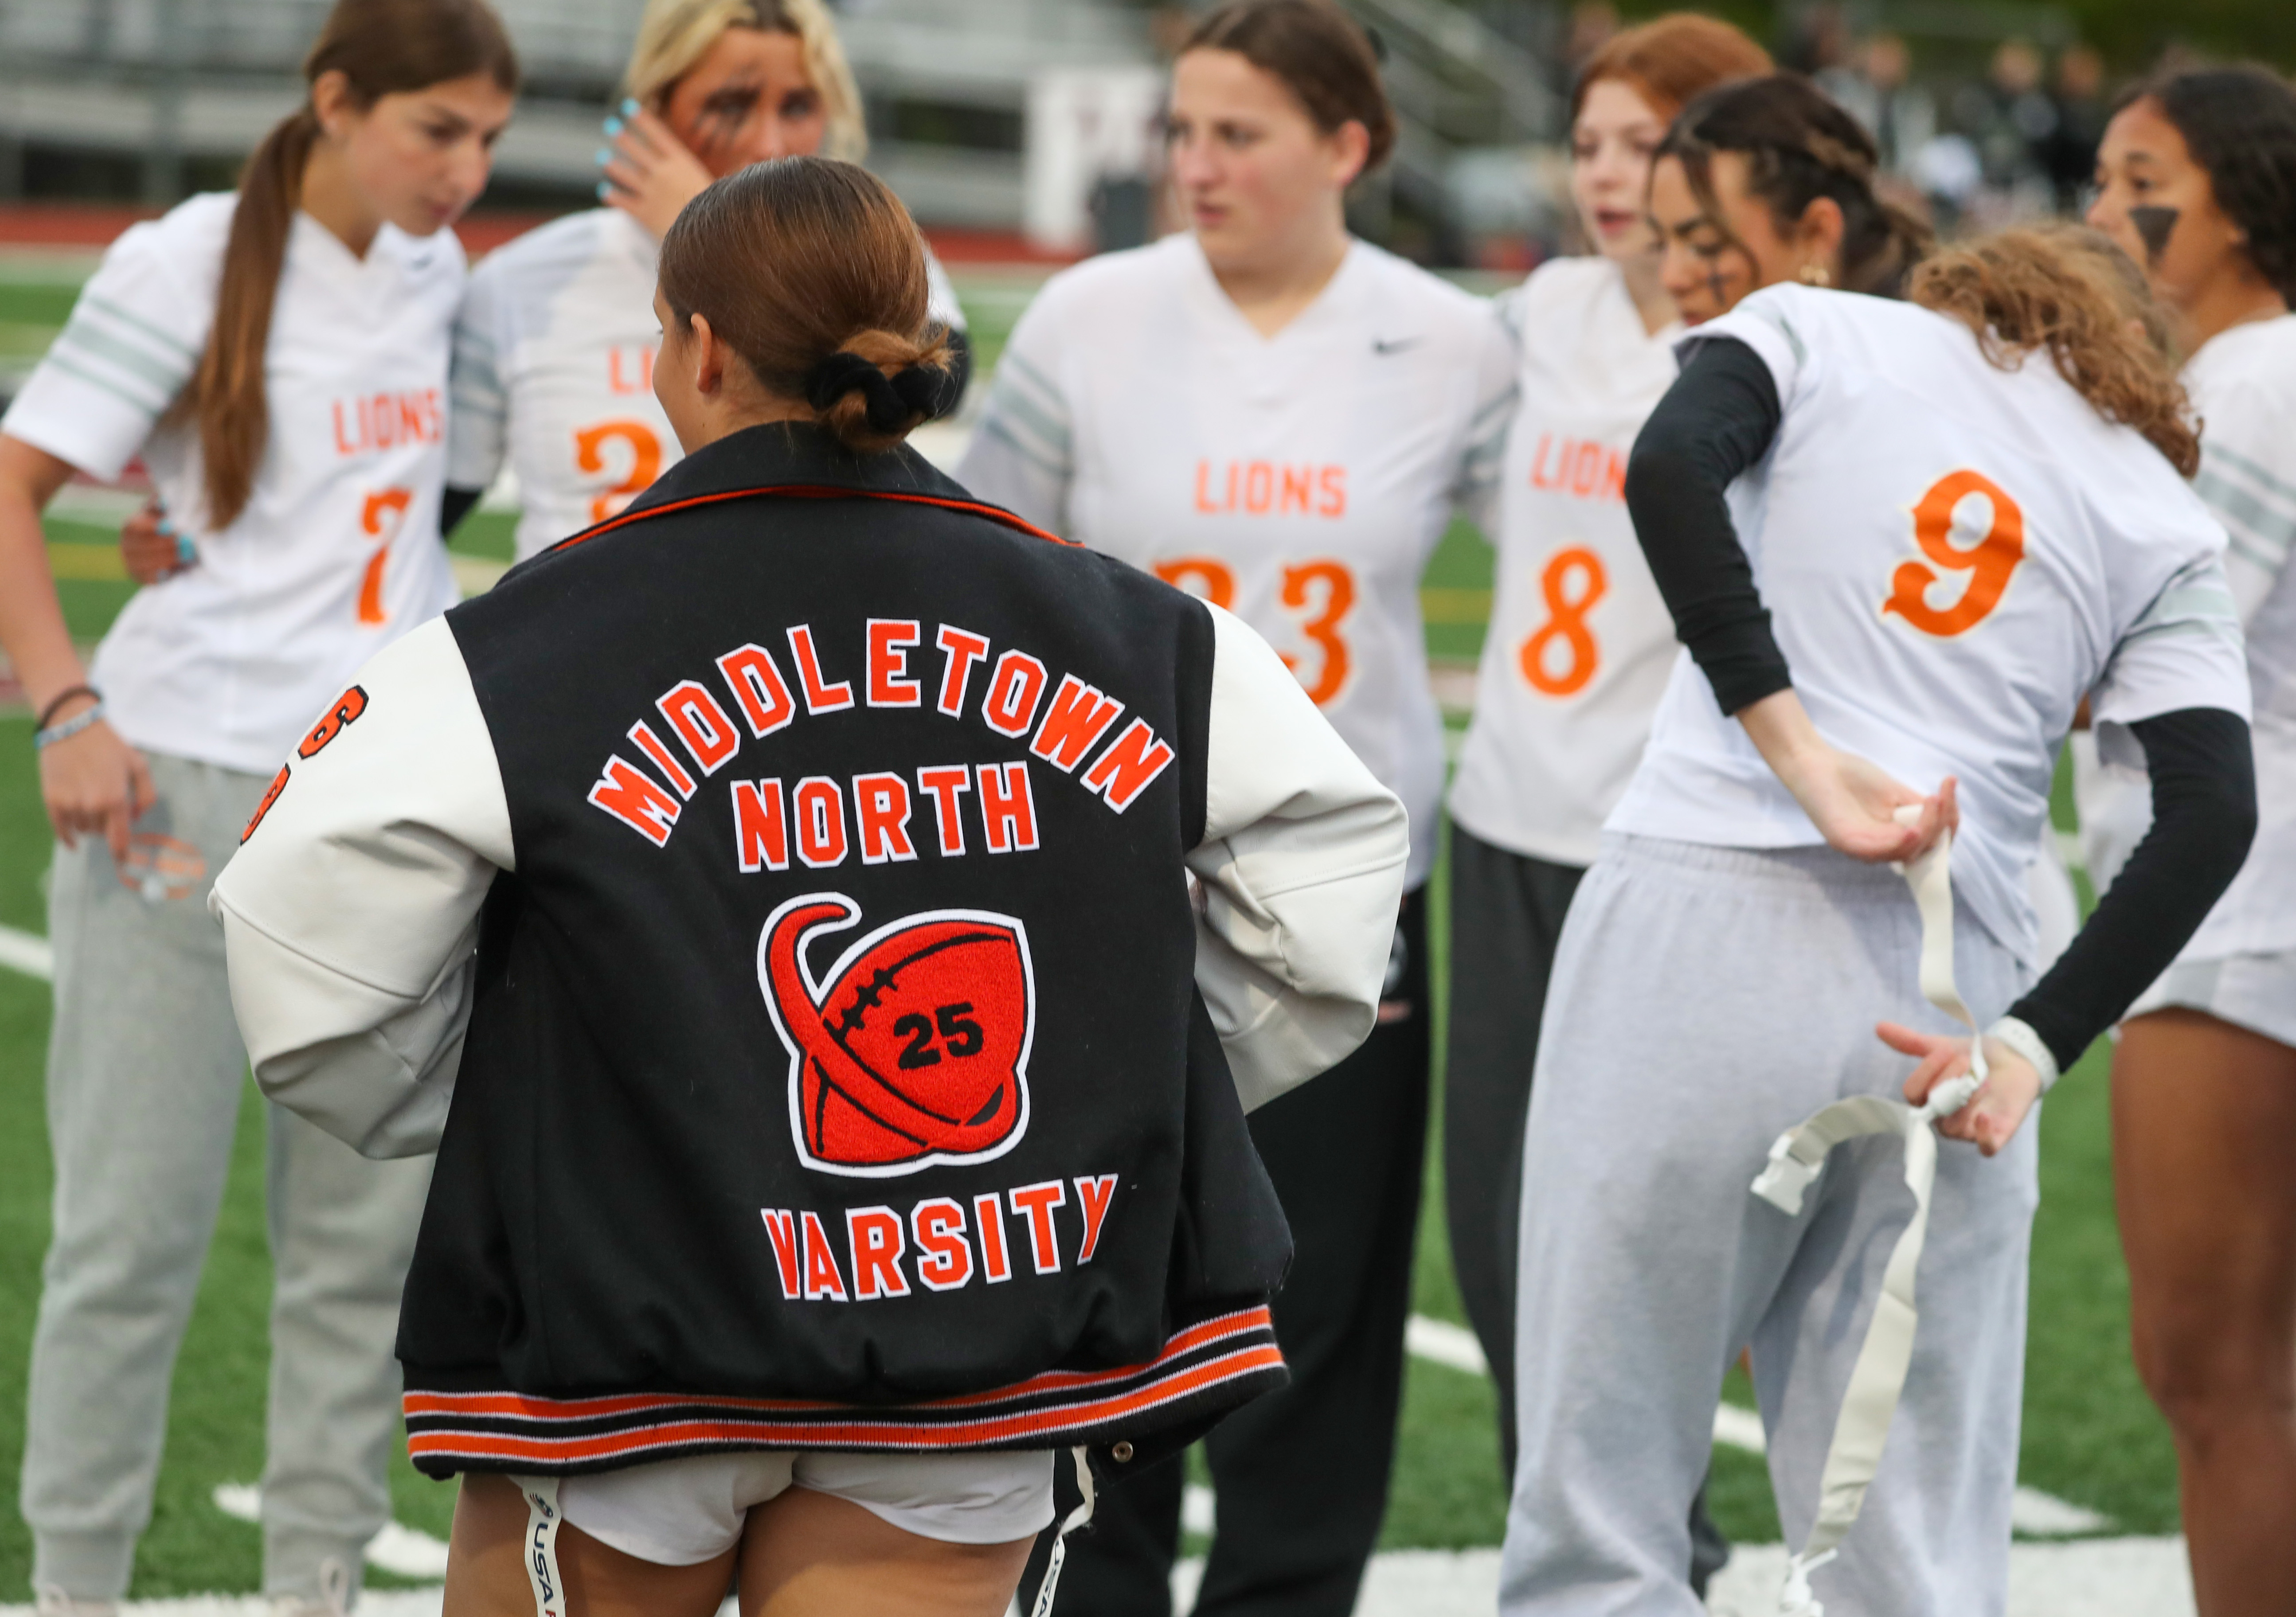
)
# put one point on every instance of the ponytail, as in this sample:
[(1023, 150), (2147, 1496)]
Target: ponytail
[(227, 389), (382, 48), (2067, 288)]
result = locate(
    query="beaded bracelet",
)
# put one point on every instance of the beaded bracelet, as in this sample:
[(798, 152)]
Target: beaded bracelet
[(62, 697), (69, 728)]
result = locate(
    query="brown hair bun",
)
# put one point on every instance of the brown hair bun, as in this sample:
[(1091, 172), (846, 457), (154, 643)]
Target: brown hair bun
[(812, 271)]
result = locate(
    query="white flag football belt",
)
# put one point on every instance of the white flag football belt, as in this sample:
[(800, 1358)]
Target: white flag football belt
[(1796, 1158)]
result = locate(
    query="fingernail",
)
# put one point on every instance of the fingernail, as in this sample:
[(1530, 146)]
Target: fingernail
[(612, 126), (166, 526), (629, 108), (605, 157), (604, 191)]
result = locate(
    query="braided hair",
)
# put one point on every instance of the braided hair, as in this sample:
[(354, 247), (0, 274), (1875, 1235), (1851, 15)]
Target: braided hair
[(1799, 146), (2239, 125)]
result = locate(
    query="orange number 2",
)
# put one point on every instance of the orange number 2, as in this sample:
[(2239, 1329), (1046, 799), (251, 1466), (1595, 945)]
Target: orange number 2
[(1989, 562), (1566, 620), (645, 462), (1205, 576), (385, 509), (1323, 628)]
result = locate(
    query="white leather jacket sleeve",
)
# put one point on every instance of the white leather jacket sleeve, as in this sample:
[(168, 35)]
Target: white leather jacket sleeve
[(1301, 875), (350, 912)]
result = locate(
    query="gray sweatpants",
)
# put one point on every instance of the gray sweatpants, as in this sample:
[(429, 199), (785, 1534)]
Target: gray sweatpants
[(1704, 1000), (145, 1070)]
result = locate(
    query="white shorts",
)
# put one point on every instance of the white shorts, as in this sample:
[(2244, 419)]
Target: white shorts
[(681, 1513), (2253, 991)]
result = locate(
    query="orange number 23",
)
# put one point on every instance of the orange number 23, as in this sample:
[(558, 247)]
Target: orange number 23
[(645, 462), (1989, 562), (1322, 593)]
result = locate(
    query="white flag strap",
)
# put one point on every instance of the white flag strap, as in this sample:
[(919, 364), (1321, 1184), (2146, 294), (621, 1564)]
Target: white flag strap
[(1077, 1517), (1796, 1159), (542, 1523)]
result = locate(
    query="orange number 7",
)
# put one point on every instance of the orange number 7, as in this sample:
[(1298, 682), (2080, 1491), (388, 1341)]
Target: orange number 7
[(1989, 562), (385, 511)]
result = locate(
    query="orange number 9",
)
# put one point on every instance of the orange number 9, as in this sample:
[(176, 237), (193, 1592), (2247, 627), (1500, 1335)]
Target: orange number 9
[(1989, 562), (1211, 578), (645, 462)]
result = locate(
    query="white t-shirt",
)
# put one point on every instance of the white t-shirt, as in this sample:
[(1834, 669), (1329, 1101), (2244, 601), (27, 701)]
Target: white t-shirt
[(1580, 643), (1300, 481), (2244, 385), (337, 552), (1953, 554), (553, 369)]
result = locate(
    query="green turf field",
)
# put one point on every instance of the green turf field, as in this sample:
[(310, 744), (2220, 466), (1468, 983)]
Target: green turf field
[(2090, 1437)]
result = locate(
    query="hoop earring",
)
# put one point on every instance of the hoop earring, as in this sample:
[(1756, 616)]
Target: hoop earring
[(1816, 274)]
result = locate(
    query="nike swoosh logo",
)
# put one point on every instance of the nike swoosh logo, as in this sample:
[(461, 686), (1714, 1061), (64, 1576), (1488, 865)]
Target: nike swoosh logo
[(1380, 346)]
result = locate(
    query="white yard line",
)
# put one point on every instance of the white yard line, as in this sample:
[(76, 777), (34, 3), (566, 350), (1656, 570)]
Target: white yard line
[(27, 952), (2032, 1513)]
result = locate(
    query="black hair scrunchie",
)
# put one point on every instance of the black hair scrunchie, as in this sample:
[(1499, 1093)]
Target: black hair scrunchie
[(919, 390)]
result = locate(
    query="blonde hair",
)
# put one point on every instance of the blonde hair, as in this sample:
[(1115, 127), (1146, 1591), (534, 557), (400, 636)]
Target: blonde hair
[(674, 35)]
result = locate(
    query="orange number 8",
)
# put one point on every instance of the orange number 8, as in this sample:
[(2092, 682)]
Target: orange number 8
[(1989, 562), (1566, 619), (645, 462)]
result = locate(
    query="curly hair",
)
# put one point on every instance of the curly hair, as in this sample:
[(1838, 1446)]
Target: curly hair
[(2068, 289), (2239, 125), (1799, 146)]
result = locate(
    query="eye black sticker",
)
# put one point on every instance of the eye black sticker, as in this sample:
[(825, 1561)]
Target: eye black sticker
[(2154, 226)]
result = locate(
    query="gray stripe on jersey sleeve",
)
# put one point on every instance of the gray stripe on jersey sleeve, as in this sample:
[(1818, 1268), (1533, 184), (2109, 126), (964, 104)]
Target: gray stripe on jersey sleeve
[(473, 383), (1036, 407), (2268, 531), (994, 425), (93, 343), (129, 317), (2273, 484), (63, 363), (2195, 601)]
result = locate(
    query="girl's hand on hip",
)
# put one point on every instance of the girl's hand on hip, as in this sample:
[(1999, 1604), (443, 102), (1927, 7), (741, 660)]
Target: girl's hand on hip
[(1996, 1110), (1853, 803), (94, 784)]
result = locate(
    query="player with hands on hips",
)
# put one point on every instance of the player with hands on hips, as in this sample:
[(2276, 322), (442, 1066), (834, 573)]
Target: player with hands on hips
[(1900, 540), (554, 349), (2197, 180), (1578, 651), (867, 809), (277, 357)]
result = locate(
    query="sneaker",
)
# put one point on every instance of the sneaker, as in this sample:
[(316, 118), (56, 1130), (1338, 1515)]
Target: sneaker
[(49, 1601), (334, 1599)]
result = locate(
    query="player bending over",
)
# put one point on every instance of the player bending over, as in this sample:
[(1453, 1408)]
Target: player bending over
[(1900, 541)]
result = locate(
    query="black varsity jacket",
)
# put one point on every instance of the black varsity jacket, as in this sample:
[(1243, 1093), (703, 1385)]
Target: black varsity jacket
[(771, 905)]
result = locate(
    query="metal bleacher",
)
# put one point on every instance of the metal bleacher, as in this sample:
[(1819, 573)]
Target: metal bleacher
[(179, 89)]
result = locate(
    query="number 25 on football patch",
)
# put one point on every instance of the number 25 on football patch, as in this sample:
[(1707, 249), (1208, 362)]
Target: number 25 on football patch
[(1947, 506)]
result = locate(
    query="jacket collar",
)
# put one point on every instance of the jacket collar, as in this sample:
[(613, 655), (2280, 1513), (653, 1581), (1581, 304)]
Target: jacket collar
[(787, 454)]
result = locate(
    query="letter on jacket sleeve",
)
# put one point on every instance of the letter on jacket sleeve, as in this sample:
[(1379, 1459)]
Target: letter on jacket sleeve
[(350, 912), (1301, 870)]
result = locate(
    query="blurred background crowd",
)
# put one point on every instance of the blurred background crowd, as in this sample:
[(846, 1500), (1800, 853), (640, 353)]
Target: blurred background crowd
[(1030, 124)]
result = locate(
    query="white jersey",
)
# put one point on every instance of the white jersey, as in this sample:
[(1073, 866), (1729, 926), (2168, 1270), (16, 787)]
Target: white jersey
[(1954, 554), (554, 371), (337, 552), (2244, 386), (1580, 642), (1301, 480)]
